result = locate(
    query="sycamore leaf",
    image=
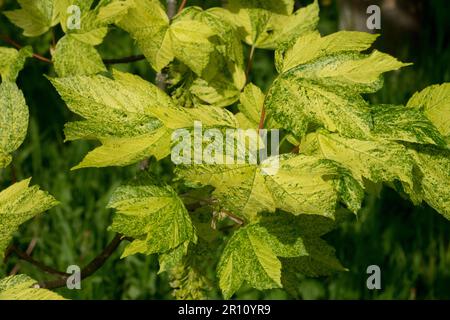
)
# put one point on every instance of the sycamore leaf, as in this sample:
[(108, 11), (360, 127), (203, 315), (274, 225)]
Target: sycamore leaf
[(12, 62), (114, 11), (221, 88), (148, 24), (18, 204), (283, 29), (219, 92), (22, 287), (191, 44), (73, 57), (131, 117), (64, 14), (13, 120), (433, 168), (152, 214), (249, 257), (375, 160), (301, 185), (435, 101), (327, 90), (252, 254), (34, 17), (298, 104), (266, 24), (229, 49), (252, 102), (91, 30), (312, 46), (398, 123), (307, 185)]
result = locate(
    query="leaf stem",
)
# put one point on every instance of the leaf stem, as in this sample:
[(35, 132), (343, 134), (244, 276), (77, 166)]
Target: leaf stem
[(18, 46), (250, 63)]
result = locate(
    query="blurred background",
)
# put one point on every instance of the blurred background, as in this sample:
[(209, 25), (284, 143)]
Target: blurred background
[(410, 244)]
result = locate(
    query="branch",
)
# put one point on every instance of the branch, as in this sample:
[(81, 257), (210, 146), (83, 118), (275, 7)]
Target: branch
[(18, 46), (182, 5), (26, 257), (124, 60), (88, 270), (91, 268)]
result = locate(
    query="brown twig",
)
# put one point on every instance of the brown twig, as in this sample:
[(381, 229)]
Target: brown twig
[(91, 268), (18, 46), (182, 5), (124, 60), (250, 63), (26, 257), (29, 251)]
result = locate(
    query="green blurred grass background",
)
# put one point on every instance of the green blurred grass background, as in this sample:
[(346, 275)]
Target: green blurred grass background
[(410, 244)]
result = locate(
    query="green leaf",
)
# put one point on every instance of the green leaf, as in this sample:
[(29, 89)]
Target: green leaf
[(249, 257), (297, 104), (18, 204), (301, 185), (252, 254), (114, 11), (73, 58), (435, 100), (35, 17), (327, 90), (308, 185), (399, 123), (148, 24), (433, 172), (132, 118), (312, 46), (252, 102), (12, 62), (191, 44), (375, 160), (13, 120), (152, 214), (64, 15), (22, 287)]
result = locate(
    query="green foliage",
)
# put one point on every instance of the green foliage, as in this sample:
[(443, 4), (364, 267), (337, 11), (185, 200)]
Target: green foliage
[(21, 287), (153, 215), (18, 204), (338, 144)]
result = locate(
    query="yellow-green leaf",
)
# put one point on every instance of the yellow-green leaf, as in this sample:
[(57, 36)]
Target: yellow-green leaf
[(399, 123), (433, 165), (312, 46), (18, 204), (13, 120), (73, 57), (435, 101), (34, 17), (22, 287), (12, 62), (151, 213)]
